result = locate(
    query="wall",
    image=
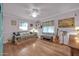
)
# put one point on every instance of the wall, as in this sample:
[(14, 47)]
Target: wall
[(69, 14), (63, 16), (9, 29)]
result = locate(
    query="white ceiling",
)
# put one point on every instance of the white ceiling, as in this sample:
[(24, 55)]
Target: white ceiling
[(22, 10)]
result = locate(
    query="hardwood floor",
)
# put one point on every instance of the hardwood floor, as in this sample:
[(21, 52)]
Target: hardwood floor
[(36, 47)]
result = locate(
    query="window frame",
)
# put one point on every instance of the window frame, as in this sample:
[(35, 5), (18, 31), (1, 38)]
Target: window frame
[(48, 30), (20, 23)]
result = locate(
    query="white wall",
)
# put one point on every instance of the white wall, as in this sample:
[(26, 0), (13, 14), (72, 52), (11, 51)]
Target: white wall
[(63, 16), (9, 29)]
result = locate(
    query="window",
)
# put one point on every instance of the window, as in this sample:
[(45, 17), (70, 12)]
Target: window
[(48, 29), (23, 26)]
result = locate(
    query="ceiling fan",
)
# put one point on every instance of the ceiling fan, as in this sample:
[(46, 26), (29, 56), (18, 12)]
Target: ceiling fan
[(33, 11)]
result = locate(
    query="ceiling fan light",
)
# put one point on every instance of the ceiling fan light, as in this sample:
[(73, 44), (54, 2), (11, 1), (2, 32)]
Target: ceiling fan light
[(34, 14)]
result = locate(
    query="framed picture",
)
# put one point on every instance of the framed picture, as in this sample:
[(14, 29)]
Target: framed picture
[(13, 22), (66, 23), (31, 25), (41, 26)]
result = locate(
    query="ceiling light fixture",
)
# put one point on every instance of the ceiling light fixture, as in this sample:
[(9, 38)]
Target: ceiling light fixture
[(35, 12)]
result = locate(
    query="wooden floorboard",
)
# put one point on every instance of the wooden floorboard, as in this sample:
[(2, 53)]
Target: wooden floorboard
[(36, 47)]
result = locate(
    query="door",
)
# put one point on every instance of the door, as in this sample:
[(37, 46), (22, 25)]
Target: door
[(1, 31)]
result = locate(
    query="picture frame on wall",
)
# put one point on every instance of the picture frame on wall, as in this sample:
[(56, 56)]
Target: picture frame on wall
[(66, 23), (31, 25), (41, 26), (13, 22)]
